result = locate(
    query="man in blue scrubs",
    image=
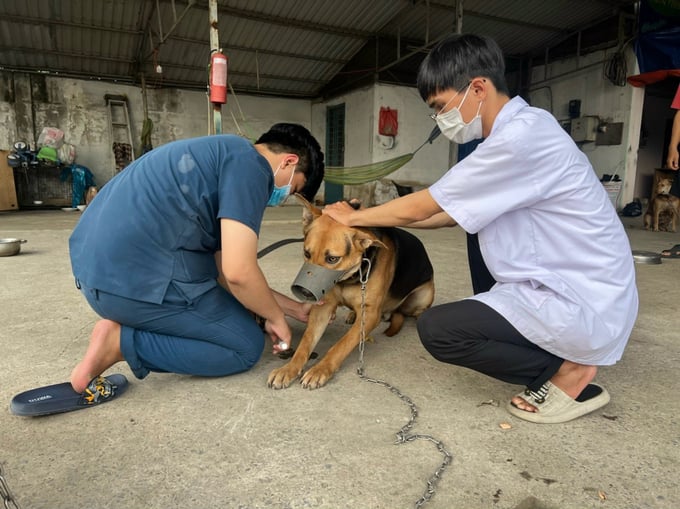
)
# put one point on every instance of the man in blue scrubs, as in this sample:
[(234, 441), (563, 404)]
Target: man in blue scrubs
[(166, 254)]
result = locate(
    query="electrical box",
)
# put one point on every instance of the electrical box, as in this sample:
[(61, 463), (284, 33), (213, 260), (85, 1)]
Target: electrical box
[(584, 128)]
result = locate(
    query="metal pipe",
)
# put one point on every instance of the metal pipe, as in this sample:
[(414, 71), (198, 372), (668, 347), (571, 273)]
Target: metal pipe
[(459, 16), (567, 73), (215, 46)]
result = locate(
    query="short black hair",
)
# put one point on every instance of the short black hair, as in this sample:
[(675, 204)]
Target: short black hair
[(459, 58), (297, 140)]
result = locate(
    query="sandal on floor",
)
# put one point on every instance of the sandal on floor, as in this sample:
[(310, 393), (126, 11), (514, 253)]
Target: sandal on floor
[(555, 406), (673, 252), (59, 398)]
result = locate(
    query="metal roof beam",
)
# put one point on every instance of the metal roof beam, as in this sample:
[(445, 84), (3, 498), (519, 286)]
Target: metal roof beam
[(190, 85), (236, 47), (614, 4), (288, 22), (141, 33), (127, 61), (510, 21), (27, 20), (70, 54)]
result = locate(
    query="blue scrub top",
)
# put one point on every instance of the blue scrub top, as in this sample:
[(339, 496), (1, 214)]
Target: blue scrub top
[(157, 222)]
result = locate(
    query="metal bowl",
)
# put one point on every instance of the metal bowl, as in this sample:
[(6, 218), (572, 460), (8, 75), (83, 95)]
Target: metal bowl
[(10, 247), (646, 257)]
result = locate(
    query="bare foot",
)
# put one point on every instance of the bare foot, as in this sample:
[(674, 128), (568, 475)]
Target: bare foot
[(572, 378), (102, 353)]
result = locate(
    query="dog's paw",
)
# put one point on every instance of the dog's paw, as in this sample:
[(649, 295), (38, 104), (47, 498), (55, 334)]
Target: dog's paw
[(317, 376), (280, 378)]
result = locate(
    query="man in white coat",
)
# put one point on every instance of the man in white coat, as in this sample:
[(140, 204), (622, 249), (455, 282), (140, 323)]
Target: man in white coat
[(561, 298)]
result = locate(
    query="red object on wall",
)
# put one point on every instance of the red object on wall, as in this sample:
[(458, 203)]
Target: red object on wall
[(218, 78), (388, 124)]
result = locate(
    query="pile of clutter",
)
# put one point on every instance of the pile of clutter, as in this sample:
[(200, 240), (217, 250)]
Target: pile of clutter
[(50, 149), (22, 156)]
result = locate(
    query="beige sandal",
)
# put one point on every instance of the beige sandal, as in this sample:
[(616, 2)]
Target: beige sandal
[(555, 406)]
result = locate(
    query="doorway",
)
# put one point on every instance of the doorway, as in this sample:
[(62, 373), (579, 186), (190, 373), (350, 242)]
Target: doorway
[(657, 117), (335, 149)]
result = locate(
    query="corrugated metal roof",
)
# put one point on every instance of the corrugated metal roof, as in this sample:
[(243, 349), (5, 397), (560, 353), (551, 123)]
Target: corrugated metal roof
[(283, 47)]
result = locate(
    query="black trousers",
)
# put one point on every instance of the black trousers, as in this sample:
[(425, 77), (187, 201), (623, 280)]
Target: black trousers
[(470, 334)]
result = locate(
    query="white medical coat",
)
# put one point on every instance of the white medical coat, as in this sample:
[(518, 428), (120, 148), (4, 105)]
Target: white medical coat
[(548, 234)]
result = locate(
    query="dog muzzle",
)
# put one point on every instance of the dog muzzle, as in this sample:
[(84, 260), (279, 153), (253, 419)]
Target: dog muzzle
[(313, 281)]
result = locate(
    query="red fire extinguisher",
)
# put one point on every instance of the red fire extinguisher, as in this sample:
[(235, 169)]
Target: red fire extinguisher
[(218, 78)]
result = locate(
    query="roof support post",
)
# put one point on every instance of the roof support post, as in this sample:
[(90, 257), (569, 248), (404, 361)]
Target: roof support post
[(216, 125)]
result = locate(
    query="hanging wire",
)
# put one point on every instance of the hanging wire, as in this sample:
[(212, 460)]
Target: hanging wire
[(615, 69)]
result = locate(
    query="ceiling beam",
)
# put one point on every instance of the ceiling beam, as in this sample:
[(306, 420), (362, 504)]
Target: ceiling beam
[(499, 19), (144, 38), (70, 54), (287, 22), (260, 51), (27, 20), (166, 66), (129, 80)]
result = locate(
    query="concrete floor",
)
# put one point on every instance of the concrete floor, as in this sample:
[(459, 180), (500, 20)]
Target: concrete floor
[(179, 441)]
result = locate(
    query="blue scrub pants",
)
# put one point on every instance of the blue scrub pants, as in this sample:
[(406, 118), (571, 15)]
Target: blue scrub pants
[(212, 335)]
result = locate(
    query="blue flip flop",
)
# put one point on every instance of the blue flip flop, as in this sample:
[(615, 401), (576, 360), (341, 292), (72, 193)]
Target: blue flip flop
[(59, 398)]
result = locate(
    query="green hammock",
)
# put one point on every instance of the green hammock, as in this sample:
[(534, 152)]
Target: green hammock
[(365, 173), (369, 172)]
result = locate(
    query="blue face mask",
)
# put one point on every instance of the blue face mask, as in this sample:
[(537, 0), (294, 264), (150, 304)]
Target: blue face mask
[(279, 194)]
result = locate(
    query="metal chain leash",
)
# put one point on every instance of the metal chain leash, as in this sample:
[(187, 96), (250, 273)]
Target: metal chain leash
[(5, 494), (403, 435)]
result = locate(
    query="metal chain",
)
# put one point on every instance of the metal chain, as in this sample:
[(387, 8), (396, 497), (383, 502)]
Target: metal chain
[(6, 495), (403, 435)]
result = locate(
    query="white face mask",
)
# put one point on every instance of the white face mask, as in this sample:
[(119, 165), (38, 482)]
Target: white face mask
[(454, 128)]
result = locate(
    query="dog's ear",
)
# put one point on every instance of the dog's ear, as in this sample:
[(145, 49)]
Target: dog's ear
[(309, 212), (365, 240)]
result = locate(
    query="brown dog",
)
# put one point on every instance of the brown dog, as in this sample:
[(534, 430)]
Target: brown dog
[(398, 279), (663, 204)]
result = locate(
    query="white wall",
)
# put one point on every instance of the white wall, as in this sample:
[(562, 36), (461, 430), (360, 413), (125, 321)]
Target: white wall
[(358, 126), (415, 125), (78, 108), (362, 145)]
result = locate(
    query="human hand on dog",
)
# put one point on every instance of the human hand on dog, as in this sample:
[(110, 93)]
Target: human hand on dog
[(306, 309), (280, 334), (295, 309), (341, 211)]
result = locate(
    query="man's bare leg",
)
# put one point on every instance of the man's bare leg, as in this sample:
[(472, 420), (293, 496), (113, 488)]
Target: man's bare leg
[(102, 353), (572, 378)]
